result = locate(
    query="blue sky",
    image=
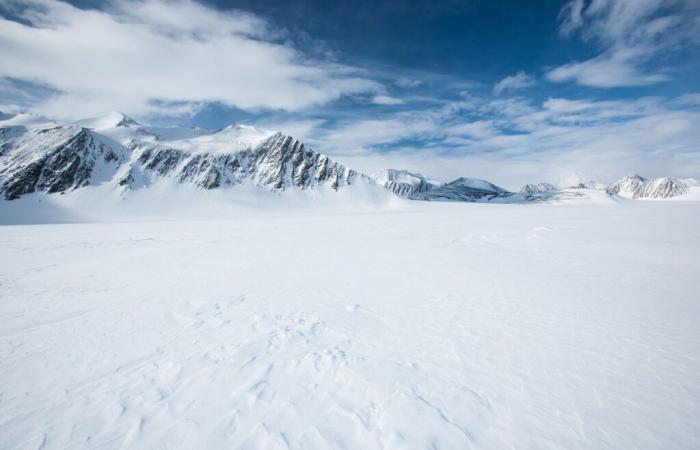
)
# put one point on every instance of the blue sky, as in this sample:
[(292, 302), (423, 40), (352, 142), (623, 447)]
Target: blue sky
[(513, 91)]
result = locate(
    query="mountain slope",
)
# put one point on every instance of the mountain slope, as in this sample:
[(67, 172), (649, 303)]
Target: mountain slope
[(404, 183), (638, 187), (55, 160), (539, 188), (465, 190)]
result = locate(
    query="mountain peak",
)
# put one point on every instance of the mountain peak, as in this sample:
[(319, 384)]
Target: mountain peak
[(111, 120)]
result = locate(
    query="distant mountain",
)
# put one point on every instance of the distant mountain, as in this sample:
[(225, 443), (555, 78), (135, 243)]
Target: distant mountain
[(404, 183), (638, 187), (465, 190), (117, 152), (539, 188)]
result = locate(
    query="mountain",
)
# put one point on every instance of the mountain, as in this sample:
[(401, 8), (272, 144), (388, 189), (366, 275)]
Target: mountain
[(278, 162), (404, 183), (539, 188), (118, 151), (54, 160), (638, 187), (465, 190)]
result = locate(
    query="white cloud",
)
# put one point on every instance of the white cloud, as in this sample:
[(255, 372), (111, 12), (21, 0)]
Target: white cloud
[(363, 136), (405, 82), (139, 55), (631, 34), (610, 69), (386, 100), (515, 82), (516, 141)]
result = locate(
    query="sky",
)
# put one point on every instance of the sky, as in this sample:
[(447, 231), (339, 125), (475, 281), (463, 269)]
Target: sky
[(512, 91)]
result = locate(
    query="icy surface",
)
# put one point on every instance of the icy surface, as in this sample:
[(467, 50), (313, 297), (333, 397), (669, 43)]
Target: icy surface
[(425, 326)]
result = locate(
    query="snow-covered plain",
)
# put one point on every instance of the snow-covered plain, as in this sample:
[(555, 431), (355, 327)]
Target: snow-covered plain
[(416, 326)]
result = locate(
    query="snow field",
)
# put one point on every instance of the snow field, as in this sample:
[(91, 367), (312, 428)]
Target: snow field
[(432, 326)]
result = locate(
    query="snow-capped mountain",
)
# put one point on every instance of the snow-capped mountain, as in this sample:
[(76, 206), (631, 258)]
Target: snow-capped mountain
[(118, 153), (636, 187), (56, 159), (117, 150), (404, 183), (465, 190), (277, 162), (538, 188)]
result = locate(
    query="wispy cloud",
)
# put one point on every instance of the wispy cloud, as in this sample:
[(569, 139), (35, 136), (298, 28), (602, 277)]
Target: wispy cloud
[(515, 82), (386, 100), (515, 140), (630, 34), (138, 54)]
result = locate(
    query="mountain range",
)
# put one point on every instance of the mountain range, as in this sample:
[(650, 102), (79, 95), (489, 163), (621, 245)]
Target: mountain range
[(39, 155)]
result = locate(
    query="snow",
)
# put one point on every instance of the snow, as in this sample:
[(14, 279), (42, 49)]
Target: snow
[(410, 325)]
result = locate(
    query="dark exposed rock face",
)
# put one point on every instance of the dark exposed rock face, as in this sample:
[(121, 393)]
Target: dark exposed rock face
[(53, 160)]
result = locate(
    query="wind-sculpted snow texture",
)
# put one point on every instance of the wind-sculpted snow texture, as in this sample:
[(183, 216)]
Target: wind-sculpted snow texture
[(433, 326)]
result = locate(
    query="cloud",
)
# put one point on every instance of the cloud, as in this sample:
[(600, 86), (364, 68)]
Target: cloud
[(610, 69), (515, 141), (515, 82), (405, 82), (630, 34), (386, 100), (141, 55)]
